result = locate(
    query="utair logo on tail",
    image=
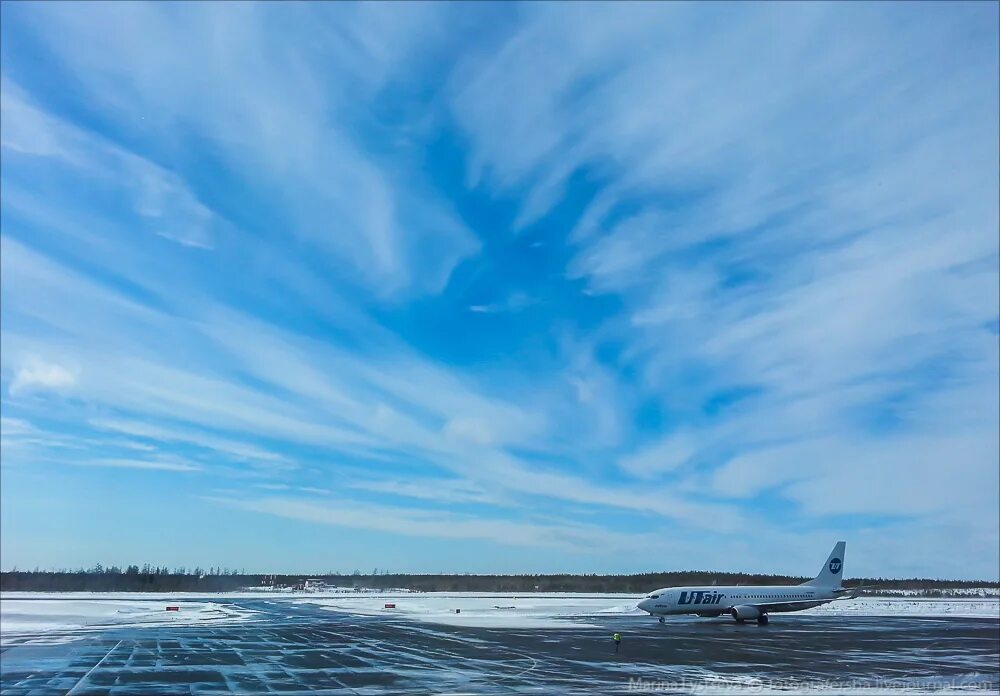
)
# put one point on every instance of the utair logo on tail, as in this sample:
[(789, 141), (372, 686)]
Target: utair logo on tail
[(835, 565)]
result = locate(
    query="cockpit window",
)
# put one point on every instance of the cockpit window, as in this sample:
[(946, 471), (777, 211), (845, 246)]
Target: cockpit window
[(654, 596)]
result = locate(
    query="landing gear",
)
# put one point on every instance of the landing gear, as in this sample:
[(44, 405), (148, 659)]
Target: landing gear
[(662, 620), (762, 620)]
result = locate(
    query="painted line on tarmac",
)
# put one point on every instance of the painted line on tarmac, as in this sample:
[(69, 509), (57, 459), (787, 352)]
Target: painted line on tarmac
[(84, 677)]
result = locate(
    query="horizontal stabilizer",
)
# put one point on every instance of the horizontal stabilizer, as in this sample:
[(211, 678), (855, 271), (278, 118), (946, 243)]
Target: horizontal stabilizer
[(849, 592)]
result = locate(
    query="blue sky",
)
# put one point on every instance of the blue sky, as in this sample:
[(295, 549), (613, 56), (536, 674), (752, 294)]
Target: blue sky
[(520, 287)]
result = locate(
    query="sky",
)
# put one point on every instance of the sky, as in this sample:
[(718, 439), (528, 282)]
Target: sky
[(506, 288)]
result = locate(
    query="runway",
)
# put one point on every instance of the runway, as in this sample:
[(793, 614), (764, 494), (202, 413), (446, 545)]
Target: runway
[(293, 648)]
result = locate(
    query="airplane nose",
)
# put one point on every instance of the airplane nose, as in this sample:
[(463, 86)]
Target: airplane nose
[(644, 605)]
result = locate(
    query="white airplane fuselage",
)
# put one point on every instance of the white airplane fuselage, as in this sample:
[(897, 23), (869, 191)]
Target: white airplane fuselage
[(746, 602), (715, 601)]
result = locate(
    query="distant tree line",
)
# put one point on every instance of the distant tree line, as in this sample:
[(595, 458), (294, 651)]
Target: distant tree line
[(161, 579), (129, 579)]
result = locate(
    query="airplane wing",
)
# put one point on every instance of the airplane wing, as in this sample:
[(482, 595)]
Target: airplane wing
[(789, 606)]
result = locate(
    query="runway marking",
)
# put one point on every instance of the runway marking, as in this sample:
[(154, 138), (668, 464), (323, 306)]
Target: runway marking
[(84, 677)]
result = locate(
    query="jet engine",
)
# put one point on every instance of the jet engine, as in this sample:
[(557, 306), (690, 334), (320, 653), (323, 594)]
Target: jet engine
[(743, 612)]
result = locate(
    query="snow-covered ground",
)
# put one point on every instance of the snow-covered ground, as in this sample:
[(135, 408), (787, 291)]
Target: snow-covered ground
[(947, 592), (988, 607), (553, 610), (154, 596), (41, 612), (486, 610), (277, 594), (265, 644), (51, 614)]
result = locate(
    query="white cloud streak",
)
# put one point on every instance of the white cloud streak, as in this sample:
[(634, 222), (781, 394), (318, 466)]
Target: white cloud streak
[(799, 253), (37, 374), (160, 201), (423, 523), (772, 232), (153, 464), (278, 122)]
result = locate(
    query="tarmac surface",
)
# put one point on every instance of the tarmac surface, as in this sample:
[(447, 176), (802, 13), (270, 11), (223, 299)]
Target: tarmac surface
[(302, 649)]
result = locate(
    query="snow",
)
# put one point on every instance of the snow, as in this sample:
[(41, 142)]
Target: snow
[(40, 612), (146, 596), (277, 594), (948, 592), (487, 611), (555, 610), (987, 607), (53, 613)]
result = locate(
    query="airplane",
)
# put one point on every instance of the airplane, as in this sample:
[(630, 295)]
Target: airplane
[(746, 602)]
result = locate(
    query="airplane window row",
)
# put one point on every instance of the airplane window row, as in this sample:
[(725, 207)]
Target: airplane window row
[(774, 597)]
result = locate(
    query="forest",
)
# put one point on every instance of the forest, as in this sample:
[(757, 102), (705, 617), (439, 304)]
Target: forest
[(147, 578)]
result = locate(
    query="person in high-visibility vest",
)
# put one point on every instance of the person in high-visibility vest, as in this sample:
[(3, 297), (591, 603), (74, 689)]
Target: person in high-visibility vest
[(618, 641)]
